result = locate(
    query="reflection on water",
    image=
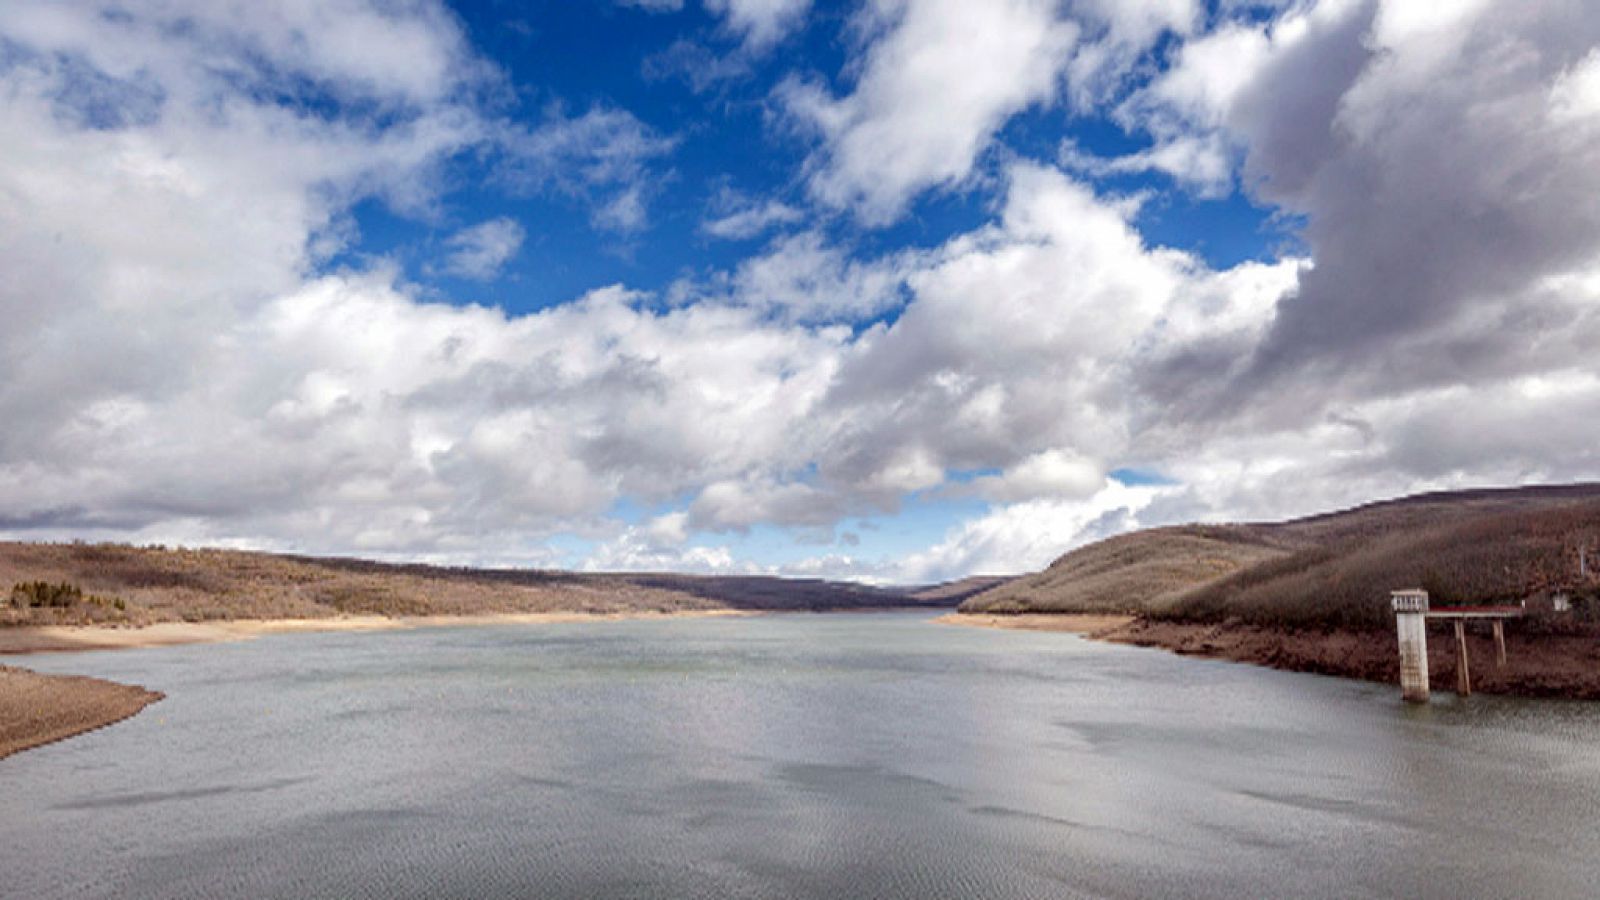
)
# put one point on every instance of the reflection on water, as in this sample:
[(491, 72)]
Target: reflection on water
[(822, 756)]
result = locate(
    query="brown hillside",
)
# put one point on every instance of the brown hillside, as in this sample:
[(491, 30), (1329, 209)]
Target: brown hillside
[(1487, 558), (955, 591), (1334, 569), (119, 584), (1132, 572)]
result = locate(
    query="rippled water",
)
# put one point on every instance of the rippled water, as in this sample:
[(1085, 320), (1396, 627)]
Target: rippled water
[(788, 756)]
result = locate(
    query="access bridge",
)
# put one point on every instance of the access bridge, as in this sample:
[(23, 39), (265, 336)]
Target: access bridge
[(1412, 613)]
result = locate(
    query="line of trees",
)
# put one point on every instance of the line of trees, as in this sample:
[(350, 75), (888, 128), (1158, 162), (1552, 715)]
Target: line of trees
[(43, 594)]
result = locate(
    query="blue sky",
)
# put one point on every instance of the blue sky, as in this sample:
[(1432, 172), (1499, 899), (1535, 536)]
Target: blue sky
[(579, 57), (725, 149), (899, 290)]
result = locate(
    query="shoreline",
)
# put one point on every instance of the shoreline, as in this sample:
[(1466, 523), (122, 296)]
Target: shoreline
[(38, 709), (25, 640), (1564, 666), (1090, 625)]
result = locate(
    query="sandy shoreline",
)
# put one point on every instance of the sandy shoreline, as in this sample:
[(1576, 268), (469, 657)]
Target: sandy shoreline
[(71, 638), (1086, 624)]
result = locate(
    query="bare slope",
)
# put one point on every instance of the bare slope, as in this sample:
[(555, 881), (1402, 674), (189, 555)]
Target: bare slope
[(1330, 570), (1130, 572), (955, 591), (1488, 557), (119, 584)]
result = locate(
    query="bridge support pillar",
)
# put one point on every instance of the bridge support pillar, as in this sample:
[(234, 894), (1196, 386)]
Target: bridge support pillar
[(1499, 644), (1411, 626), (1463, 671)]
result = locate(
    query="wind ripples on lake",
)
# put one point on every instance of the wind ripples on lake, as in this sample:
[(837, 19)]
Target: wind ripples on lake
[(787, 756)]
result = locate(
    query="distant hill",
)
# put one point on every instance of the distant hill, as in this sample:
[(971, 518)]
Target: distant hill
[(954, 592), (1130, 572), (114, 583), (1332, 570)]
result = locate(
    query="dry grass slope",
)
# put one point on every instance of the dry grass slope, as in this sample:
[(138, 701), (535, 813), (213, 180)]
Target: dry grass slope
[(1331, 571), (1132, 572), (1487, 558), (191, 585), (956, 591)]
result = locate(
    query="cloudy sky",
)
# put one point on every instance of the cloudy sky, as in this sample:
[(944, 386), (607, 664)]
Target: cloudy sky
[(889, 289)]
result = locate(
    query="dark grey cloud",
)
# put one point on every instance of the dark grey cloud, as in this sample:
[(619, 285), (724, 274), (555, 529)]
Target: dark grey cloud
[(1440, 192)]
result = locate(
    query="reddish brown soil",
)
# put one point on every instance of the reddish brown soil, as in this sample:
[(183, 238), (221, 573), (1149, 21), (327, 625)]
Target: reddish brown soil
[(1537, 665)]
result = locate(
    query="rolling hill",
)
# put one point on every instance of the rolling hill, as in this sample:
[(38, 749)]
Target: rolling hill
[(1330, 570), (119, 584)]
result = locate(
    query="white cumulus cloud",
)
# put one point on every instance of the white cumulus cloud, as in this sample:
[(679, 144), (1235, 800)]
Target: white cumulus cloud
[(179, 362), (481, 251), (932, 91)]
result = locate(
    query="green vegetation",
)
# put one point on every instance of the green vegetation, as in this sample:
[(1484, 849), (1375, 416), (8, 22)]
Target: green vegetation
[(60, 599), (1333, 571), (37, 594), (30, 594)]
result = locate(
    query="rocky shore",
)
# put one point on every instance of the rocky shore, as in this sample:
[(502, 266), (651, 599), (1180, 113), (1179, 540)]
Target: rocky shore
[(1537, 664)]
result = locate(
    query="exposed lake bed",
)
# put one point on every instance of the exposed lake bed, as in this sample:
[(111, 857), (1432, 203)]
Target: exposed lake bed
[(805, 755)]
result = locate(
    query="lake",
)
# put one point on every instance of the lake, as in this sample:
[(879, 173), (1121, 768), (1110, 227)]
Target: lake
[(871, 755)]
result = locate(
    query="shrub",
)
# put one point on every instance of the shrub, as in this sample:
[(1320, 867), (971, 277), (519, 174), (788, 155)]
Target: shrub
[(1484, 559), (35, 594)]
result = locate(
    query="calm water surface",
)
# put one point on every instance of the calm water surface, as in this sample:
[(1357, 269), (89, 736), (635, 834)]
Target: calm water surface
[(873, 755)]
